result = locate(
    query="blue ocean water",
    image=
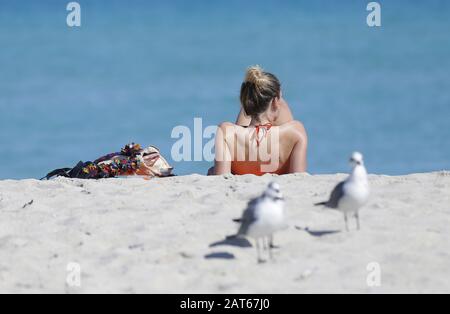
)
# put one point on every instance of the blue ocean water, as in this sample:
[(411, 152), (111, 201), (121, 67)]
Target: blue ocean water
[(136, 69)]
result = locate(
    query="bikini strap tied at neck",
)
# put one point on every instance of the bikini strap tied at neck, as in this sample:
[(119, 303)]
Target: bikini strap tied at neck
[(265, 129)]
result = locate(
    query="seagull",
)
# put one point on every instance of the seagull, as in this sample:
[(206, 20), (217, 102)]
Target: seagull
[(263, 217), (353, 193)]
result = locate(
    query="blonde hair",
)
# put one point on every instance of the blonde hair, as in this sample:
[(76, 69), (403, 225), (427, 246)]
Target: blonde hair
[(258, 90)]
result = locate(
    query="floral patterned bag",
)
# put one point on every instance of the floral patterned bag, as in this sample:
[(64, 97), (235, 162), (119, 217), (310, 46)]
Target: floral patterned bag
[(130, 161)]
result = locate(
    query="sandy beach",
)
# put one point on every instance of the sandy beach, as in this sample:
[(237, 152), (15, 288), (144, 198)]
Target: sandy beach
[(169, 236)]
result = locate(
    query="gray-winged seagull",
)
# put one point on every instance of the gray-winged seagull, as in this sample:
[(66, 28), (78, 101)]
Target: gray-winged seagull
[(263, 217), (353, 193)]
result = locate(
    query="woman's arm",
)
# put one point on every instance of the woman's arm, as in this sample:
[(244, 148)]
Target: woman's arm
[(285, 113), (299, 153), (222, 164)]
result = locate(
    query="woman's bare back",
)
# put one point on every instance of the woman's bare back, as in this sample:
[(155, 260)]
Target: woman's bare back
[(264, 149)]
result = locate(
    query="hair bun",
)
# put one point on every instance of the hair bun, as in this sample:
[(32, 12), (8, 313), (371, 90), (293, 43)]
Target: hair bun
[(255, 75), (258, 90)]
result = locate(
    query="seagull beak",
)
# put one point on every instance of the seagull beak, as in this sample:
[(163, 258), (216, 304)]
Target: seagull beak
[(355, 162)]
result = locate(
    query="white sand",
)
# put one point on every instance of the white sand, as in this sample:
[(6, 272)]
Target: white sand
[(132, 235)]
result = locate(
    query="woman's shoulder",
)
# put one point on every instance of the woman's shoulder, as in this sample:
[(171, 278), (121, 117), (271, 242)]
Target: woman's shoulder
[(294, 125), (228, 129), (231, 127), (296, 129), (226, 124)]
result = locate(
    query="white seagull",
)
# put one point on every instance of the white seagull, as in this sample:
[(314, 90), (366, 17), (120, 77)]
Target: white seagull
[(263, 217), (352, 194)]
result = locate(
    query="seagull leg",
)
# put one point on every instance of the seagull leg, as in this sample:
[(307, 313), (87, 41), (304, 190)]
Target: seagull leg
[(267, 247), (346, 222), (272, 245), (357, 221), (258, 252)]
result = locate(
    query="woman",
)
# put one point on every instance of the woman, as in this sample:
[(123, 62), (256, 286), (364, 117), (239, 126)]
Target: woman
[(265, 138)]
